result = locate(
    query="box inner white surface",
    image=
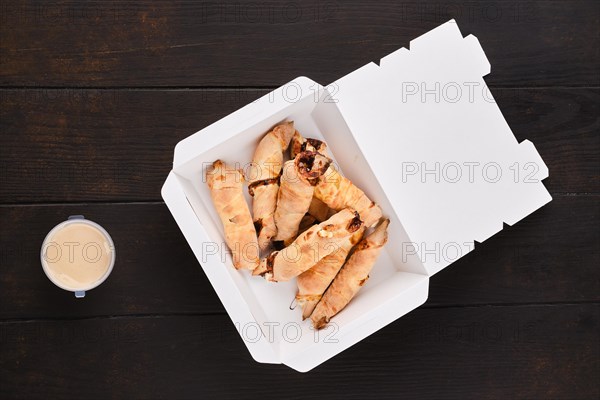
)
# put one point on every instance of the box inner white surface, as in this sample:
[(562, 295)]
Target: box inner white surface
[(270, 302)]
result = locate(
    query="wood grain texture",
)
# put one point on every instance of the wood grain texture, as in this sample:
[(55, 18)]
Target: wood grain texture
[(94, 96), (267, 43), (117, 145), (526, 352), (156, 272), (100, 145)]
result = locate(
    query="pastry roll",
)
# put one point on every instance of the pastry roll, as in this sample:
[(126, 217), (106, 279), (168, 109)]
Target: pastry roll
[(317, 208), (313, 283), (310, 247), (351, 277), (296, 192), (263, 176), (300, 144), (225, 186), (339, 192)]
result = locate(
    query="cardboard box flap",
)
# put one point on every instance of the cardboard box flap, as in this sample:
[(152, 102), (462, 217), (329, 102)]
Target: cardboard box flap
[(437, 142)]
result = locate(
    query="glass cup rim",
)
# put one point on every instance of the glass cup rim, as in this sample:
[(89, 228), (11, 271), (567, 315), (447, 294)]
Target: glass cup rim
[(93, 224)]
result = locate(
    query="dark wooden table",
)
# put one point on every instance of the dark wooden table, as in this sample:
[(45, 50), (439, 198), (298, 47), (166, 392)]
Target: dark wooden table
[(94, 97)]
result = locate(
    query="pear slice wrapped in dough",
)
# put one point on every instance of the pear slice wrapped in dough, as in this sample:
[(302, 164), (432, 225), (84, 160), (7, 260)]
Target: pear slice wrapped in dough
[(299, 144), (225, 184), (310, 247), (333, 189), (351, 277), (263, 176), (338, 192), (313, 283), (296, 192)]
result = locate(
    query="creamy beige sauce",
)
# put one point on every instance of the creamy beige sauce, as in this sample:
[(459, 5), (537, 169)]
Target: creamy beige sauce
[(77, 255)]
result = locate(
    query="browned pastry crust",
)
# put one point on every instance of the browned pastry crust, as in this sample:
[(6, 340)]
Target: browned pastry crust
[(313, 283), (351, 277), (263, 176), (310, 247), (225, 186), (296, 192), (339, 192), (299, 144)]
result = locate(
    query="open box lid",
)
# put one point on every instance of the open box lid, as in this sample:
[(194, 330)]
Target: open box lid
[(439, 146)]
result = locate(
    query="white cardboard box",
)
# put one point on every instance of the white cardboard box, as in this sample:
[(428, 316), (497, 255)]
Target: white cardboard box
[(421, 135)]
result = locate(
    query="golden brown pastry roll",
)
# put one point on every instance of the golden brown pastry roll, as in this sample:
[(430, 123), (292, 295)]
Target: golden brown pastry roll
[(351, 277), (225, 186), (317, 208), (339, 192), (296, 191), (310, 247), (300, 144), (263, 177), (313, 283)]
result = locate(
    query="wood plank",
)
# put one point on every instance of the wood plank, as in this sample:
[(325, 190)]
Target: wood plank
[(156, 272), (115, 145), (100, 145), (564, 126), (550, 256), (161, 43), (477, 352)]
